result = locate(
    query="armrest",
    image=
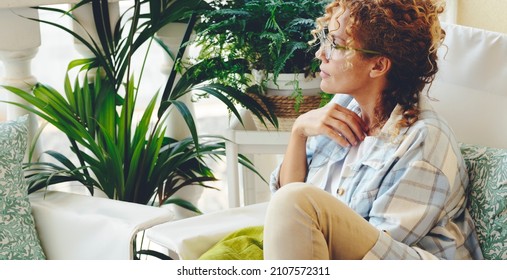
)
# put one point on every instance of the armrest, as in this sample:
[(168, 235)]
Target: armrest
[(190, 238), (73, 226)]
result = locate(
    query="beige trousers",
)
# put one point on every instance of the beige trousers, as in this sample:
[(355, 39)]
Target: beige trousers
[(304, 222)]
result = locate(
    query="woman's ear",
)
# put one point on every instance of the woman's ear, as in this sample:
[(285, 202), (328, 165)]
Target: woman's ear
[(381, 66)]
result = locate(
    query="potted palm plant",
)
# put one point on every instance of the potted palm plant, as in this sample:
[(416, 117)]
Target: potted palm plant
[(129, 161), (273, 37)]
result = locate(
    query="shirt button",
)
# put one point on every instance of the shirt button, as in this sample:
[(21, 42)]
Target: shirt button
[(341, 191)]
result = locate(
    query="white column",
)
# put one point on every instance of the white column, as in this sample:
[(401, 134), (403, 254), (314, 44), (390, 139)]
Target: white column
[(86, 28), (172, 35), (19, 44)]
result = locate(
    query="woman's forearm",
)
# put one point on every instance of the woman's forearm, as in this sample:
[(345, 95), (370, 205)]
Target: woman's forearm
[(294, 165)]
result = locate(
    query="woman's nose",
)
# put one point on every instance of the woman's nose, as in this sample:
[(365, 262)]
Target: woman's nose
[(319, 54)]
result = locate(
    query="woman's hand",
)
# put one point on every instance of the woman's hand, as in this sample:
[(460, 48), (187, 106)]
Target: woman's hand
[(337, 122)]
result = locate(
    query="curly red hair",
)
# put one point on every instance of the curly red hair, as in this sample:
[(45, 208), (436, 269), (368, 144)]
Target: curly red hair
[(408, 32)]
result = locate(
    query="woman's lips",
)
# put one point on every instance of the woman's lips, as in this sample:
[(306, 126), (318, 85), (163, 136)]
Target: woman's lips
[(323, 74)]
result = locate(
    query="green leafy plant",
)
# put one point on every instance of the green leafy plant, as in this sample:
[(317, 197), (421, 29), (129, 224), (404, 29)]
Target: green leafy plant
[(272, 35), (129, 161)]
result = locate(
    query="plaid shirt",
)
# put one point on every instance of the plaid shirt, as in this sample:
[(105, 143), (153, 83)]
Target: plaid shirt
[(411, 187)]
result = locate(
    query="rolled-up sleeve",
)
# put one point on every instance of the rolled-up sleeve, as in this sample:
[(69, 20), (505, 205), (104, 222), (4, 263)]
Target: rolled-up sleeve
[(388, 249), (274, 183)]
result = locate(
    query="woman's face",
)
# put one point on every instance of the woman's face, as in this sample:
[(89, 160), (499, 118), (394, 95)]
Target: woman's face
[(345, 71)]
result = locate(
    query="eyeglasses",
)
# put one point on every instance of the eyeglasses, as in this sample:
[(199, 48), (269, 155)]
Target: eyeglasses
[(327, 46)]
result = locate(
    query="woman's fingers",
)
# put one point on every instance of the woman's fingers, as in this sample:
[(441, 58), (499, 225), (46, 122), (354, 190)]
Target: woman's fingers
[(342, 133), (339, 123), (337, 137), (345, 124)]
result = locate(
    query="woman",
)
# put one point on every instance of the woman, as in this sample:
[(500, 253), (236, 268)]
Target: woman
[(376, 173)]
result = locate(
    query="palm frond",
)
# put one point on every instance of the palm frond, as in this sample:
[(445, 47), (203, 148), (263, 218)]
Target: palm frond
[(130, 161)]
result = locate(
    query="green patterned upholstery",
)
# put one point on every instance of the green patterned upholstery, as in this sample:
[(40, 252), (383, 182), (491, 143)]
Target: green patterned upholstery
[(487, 169), (18, 238)]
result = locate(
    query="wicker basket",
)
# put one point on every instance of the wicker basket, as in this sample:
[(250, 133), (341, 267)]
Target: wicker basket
[(283, 107)]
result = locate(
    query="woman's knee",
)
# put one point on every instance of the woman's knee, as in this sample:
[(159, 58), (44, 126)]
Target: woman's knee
[(293, 193), (295, 196)]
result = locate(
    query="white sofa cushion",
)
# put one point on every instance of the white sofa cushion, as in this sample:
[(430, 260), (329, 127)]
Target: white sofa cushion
[(81, 227), (189, 238)]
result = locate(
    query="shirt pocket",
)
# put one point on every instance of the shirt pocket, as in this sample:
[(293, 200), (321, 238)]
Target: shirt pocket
[(323, 154), (367, 180), (315, 165)]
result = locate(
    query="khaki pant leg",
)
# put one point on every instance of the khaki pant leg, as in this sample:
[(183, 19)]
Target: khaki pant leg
[(304, 222)]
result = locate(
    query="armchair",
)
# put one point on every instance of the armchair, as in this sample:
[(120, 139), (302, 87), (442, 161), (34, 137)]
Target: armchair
[(470, 91), (81, 227), (62, 225)]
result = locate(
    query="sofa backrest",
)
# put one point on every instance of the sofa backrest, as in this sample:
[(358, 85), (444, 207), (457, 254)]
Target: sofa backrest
[(471, 88), (471, 85)]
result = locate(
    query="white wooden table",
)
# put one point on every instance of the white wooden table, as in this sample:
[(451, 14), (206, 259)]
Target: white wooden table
[(248, 141)]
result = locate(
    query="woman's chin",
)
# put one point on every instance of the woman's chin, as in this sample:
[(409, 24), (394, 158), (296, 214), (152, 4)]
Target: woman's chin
[(324, 86)]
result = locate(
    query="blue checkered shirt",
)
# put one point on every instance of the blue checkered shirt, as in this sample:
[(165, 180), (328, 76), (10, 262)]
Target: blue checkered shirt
[(411, 187)]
